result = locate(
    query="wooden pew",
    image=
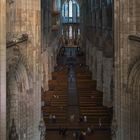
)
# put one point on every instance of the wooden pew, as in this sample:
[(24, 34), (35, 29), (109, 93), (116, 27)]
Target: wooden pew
[(57, 97), (90, 100)]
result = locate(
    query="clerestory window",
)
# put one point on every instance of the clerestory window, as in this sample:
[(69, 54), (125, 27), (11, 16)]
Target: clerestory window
[(70, 12)]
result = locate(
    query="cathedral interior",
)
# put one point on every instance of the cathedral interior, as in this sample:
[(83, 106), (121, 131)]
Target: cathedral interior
[(69, 69)]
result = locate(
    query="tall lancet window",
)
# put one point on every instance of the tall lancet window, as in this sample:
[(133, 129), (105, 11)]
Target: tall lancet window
[(70, 12), (70, 8)]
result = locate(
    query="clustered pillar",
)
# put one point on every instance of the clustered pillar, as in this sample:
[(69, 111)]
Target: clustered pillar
[(3, 69)]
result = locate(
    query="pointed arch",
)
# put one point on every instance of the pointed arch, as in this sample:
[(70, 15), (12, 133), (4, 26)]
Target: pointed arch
[(133, 100), (70, 12)]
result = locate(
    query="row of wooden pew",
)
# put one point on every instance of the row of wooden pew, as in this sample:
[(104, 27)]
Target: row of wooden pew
[(90, 100), (55, 99)]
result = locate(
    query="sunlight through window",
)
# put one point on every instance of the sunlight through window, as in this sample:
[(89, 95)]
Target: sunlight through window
[(70, 8), (70, 12)]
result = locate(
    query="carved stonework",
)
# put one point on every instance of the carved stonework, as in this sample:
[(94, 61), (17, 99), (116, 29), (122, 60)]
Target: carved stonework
[(13, 132), (10, 1), (114, 128), (42, 128)]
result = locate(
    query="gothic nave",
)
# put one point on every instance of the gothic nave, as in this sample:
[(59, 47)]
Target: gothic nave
[(69, 69)]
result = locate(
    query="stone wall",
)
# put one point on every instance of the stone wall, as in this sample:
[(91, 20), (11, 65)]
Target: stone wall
[(24, 68), (127, 58), (108, 81), (102, 71), (100, 68), (94, 63), (97, 34), (49, 43)]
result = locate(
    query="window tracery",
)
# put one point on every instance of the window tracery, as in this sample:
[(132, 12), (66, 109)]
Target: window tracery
[(70, 12)]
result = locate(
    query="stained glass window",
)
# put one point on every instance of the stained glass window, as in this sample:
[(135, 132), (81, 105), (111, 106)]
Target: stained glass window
[(70, 8), (70, 12)]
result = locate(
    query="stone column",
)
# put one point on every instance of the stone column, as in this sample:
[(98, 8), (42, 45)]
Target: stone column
[(94, 65), (90, 56), (107, 81), (99, 56), (121, 31), (87, 53), (2, 69)]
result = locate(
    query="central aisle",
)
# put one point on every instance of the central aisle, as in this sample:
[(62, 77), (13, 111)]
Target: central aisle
[(73, 106)]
